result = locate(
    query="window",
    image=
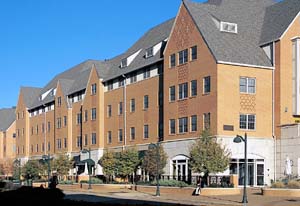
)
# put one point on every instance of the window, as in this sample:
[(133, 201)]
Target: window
[(183, 91), (147, 73), (183, 56), (79, 118), (94, 89), (110, 85), (206, 85), (172, 94), (121, 82), (58, 102), (133, 77), (193, 53), (183, 125), (65, 121), (109, 140), (194, 88), (59, 123), (86, 140), (86, 116), (194, 123), (108, 110), (94, 113), (146, 131), (206, 121), (59, 144), (132, 133), (65, 143), (132, 105), (247, 85), (247, 121), (149, 52), (120, 108), (78, 142), (172, 60), (146, 102), (49, 126), (172, 126), (124, 63), (120, 135), (94, 138), (228, 27)]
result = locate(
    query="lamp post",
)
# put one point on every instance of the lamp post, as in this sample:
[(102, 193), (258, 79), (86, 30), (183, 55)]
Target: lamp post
[(239, 139), (46, 158), (88, 151), (156, 146)]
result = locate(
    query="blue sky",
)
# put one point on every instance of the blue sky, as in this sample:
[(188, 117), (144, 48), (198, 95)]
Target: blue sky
[(41, 38)]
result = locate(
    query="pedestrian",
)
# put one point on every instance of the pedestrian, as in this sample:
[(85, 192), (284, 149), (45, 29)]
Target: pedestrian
[(197, 191), (53, 182)]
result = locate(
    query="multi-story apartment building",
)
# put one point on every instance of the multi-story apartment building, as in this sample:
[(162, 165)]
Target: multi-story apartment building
[(7, 134), (230, 66)]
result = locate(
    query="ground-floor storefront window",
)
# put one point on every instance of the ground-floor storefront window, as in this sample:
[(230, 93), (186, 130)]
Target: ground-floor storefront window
[(255, 171)]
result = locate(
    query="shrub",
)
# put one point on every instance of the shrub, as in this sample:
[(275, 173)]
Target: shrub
[(293, 184), (224, 185), (170, 183), (278, 184), (66, 182), (94, 180)]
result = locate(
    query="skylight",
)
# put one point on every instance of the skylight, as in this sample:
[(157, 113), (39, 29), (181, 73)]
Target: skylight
[(228, 27)]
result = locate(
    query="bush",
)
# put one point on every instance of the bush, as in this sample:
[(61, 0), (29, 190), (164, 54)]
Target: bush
[(170, 183), (66, 182), (94, 180), (224, 185), (278, 184), (293, 184)]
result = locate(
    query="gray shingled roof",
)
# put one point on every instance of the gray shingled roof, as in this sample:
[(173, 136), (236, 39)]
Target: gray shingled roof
[(30, 94), (7, 117), (243, 47), (151, 38), (72, 80), (277, 19)]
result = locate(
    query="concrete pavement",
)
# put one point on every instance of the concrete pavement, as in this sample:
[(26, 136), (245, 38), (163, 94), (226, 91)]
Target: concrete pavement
[(127, 196)]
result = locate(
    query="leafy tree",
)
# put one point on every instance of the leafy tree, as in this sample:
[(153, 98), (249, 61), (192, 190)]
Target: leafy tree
[(208, 156), (32, 169), (150, 160), (108, 162), (62, 165), (127, 162)]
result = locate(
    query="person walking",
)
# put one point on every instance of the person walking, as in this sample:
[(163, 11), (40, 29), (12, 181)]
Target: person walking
[(197, 191)]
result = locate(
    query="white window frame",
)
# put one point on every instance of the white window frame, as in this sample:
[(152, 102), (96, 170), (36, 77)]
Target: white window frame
[(185, 126), (247, 85), (223, 24), (170, 128), (247, 122), (149, 52), (184, 92)]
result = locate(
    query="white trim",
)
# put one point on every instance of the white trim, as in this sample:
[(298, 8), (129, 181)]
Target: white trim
[(244, 65), (289, 26), (295, 38)]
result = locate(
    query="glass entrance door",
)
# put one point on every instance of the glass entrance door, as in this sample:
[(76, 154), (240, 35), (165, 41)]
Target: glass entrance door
[(260, 174)]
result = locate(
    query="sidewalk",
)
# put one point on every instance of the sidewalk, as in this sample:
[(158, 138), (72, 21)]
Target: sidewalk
[(127, 196)]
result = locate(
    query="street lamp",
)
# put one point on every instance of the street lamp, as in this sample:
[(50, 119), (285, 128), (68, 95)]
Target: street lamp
[(239, 139), (46, 158), (88, 164), (156, 146)]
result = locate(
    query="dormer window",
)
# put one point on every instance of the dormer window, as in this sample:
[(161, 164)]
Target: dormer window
[(124, 63), (149, 52), (228, 27)]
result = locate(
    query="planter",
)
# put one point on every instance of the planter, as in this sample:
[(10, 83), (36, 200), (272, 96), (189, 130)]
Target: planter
[(281, 192)]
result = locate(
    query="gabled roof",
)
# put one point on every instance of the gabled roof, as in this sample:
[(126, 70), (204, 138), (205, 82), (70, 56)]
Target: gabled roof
[(240, 48), (7, 117), (151, 38), (30, 94), (277, 19)]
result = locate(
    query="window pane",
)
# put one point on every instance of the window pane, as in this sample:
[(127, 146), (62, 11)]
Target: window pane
[(194, 88), (172, 126), (243, 121), (243, 85), (251, 86), (194, 53), (172, 93), (172, 60), (251, 122), (194, 123), (206, 84), (185, 90)]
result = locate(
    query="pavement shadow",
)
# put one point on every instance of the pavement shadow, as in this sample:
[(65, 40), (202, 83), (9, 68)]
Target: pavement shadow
[(86, 199), (220, 199)]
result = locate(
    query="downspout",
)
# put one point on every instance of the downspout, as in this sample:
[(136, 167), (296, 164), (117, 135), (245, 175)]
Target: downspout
[(273, 111), (125, 111)]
